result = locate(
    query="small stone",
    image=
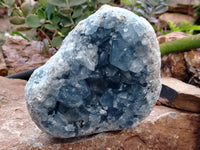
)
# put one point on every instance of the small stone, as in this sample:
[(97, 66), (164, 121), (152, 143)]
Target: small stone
[(105, 77), (188, 95), (176, 18)]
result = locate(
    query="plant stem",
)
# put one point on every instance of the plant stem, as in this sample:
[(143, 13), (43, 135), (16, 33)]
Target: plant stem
[(67, 4), (179, 45), (46, 36)]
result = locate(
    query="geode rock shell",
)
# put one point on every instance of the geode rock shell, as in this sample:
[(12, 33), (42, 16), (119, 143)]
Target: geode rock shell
[(105, 77)]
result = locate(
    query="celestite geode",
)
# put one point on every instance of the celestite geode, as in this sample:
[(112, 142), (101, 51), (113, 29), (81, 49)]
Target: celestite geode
[(105, 76)]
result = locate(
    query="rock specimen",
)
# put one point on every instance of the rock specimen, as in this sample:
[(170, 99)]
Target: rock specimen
[(106, 76)]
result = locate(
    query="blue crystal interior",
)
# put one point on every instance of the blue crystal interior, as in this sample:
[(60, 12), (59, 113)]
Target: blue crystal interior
[(101, 89), (107, 94)]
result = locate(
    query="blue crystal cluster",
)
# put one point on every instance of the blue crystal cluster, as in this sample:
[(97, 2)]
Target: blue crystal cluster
[(105, 77)]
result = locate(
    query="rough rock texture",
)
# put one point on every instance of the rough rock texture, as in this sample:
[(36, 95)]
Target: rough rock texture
[(182, 6), (3, 68), (3, 12), (192, 59), (21, 55), (188, 95), (105, 76), (172, 36), (174, 65), (176, 18), (184, 65), (183, 2), (164, 129)]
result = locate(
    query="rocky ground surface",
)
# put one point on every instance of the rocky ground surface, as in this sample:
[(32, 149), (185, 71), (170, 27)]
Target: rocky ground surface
[(165, 128)]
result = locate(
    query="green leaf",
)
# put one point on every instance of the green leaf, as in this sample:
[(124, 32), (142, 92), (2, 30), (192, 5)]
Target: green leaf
[(61, 3), (57, 41), (166, 1), (35, 8), (65, 30), (148, 3), (2, 4), (55, 18), (49, 10), (26, 7), (154, 2), (195, 27), (66, 11), (172, 26), (17, 33), (93, 2), (154, 27), (15, 12), (161, 9), (65, 21), (16, 20), (83, 16), (126, 2), (33, 21), (148, 9), (9, 2), (76, 2), (104, 1), (23, 28), (77, 11), (142, 12), (129, 2), (50, 27), (41, 14), (44, 3)]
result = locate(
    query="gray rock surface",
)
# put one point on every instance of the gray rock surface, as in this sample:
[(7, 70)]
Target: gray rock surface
[(105, 76)]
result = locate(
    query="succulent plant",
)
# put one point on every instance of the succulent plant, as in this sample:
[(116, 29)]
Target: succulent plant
[(148, 8), (53, 19)]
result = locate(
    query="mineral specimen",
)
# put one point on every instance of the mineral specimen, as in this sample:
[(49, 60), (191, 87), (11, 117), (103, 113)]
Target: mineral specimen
[(105, 76)]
